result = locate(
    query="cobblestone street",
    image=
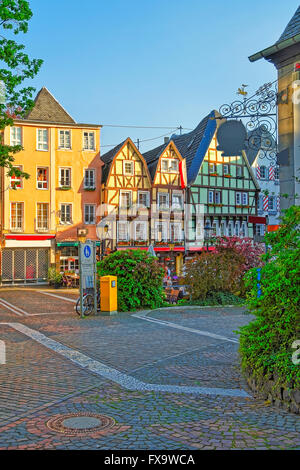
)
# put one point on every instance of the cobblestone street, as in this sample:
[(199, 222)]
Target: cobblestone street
[(166, 379)]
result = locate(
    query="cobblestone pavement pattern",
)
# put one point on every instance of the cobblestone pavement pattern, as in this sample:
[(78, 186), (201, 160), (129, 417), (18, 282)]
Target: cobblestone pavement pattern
[(38, 384)]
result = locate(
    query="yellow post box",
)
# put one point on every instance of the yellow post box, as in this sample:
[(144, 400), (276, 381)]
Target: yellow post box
[(108, 295)]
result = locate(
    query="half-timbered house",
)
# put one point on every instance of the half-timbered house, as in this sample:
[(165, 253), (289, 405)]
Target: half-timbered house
[(221, 191), (167, 209), (126, 197)]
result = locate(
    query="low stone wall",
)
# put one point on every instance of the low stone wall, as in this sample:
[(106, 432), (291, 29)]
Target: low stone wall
[(281, 397)]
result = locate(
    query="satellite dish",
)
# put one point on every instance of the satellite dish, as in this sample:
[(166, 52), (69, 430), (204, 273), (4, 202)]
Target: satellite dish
[(232, 138)]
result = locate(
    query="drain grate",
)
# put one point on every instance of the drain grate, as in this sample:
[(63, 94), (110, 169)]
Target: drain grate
[(78, 424)]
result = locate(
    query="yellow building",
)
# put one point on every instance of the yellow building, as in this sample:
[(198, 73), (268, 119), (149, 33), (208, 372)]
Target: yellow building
[(40, 216)]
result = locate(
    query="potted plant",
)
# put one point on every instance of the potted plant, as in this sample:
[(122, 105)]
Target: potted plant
[(54, 278)]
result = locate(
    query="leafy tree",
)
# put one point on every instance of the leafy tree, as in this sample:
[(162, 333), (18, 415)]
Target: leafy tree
[(266, 343), (139, 278), (17, 67)]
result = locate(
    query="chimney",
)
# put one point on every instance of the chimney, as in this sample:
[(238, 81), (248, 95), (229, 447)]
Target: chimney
[(166, 140)]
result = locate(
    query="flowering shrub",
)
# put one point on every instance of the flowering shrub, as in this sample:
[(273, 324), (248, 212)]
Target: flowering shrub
[(222, 270), (139, 278), (266, 343)]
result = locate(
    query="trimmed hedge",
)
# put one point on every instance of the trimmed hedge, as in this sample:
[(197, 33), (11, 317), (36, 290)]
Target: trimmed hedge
[(139, 278)]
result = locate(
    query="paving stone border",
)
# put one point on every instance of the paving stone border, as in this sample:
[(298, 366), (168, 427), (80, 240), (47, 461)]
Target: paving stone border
[(281, 397)]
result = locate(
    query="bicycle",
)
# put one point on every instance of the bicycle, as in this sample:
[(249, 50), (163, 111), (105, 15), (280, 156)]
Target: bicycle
[(87, 303)]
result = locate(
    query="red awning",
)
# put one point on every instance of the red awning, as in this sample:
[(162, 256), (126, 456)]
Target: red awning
[(29, 237), (203, 248), (253, 219)]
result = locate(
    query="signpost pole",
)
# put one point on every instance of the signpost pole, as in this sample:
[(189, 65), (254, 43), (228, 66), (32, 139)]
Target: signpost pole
[(95, 278), (80, 280)]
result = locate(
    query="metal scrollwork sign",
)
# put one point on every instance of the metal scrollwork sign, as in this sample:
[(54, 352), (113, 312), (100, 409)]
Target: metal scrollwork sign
[(258, 113)]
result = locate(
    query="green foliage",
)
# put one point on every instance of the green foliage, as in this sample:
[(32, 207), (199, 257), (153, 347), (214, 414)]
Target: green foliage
[(54, 277), (15, 101), (223, 270), (139, 278), (265, 344), (210, 273), (215, 298)]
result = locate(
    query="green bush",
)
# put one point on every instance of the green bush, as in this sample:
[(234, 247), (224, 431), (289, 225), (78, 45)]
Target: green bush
[(210, 273), (266, 343), (139, 278), (215, 298)]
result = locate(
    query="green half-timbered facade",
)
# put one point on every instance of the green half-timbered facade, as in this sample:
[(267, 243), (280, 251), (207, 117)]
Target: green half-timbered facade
[(221, 191)]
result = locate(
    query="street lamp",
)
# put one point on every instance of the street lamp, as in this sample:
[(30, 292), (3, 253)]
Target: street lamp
[(207, 232)]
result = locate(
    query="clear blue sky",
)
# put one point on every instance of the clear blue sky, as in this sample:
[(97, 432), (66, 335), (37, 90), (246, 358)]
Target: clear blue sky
[(152, 63)]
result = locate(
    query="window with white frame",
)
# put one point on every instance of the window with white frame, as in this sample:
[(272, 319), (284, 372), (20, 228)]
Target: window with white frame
[(16, 215), (175, 232), (125, 199), (42, 216), (169, 165), (161, 231), (173, 167), (223, 228), (15, 136), (260, 229), (66, 213), (230, 229), (42, 178), (89, 140), (89, 214), (238, 199), (65, 139), (42, 139), (164, 164), (89, 179), (177, 201), (277, 173), (143, 198), (215, 228), (128, 167), (211, 197), (123, 230), (65, 177), (244, 199), (212, 168), (237, 229), (263, 172), (244, 228), (218, 197), (272, 203), (163, 201), (260, 202), (226, 170), (140, 230), (16, 181)]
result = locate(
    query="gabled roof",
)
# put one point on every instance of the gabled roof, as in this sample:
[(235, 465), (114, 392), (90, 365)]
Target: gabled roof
[(48, 109), (293, 27), (152, 157), (109, 157), (192, 146), (290, 38)]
